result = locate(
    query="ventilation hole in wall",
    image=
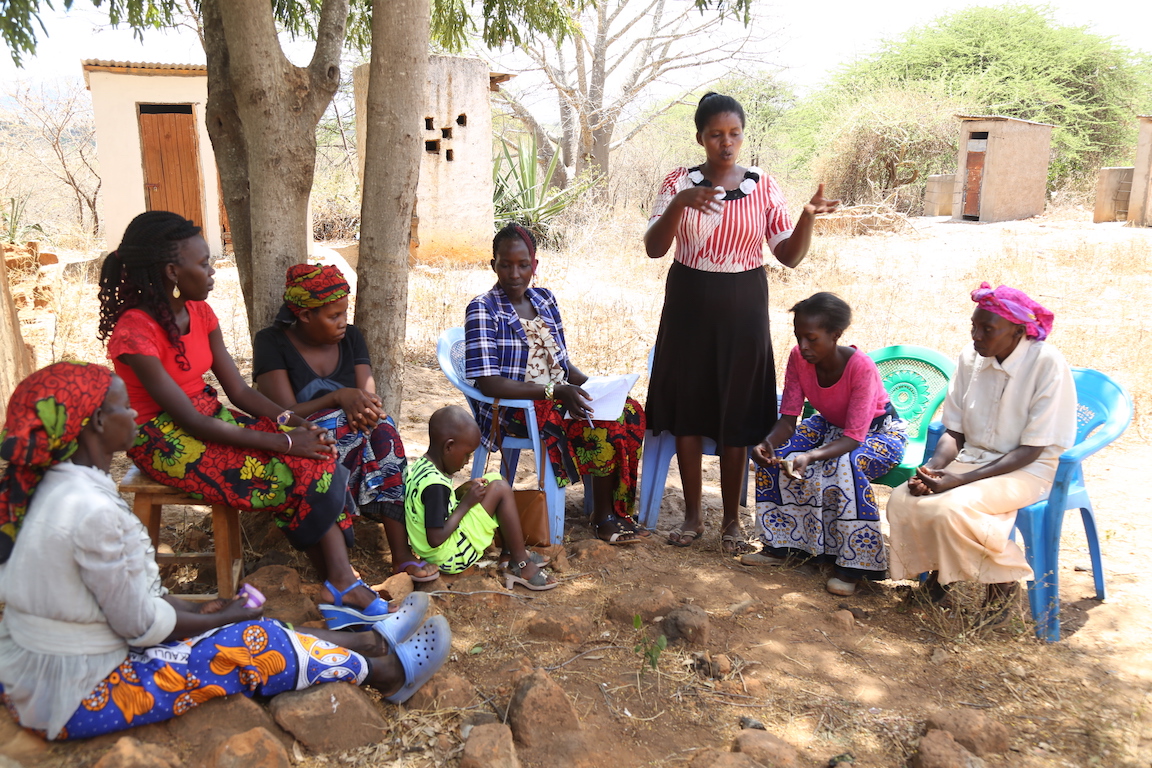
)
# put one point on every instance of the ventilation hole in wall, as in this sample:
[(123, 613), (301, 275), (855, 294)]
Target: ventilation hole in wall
[(428, 126), (432, 146), (462, 120), (449, 155), (445, 133)]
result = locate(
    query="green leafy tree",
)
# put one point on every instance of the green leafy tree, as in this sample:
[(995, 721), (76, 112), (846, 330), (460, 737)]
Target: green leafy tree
[(1011, 60)]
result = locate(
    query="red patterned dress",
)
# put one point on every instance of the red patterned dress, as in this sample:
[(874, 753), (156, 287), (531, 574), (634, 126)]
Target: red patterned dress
[(298, 491)]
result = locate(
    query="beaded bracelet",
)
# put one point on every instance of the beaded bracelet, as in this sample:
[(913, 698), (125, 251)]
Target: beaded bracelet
[(549, 389)]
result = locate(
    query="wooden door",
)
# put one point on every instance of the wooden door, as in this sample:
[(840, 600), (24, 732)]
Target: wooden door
[(974, 174), (171, 160)]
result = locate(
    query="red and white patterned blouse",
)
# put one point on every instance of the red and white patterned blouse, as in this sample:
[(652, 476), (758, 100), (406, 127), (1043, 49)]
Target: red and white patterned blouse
[(731, 241)]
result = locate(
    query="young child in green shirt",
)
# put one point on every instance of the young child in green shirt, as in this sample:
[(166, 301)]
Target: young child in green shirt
[(453, 533)]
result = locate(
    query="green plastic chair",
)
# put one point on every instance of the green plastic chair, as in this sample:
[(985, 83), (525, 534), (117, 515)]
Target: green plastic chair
[(916, 379)]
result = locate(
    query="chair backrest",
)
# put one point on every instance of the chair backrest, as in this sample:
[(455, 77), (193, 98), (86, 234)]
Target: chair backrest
[(916, 379), (450, 353), (1101, 403)]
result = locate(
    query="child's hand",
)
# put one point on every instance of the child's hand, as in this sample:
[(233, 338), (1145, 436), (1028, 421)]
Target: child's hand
[(475, 495)]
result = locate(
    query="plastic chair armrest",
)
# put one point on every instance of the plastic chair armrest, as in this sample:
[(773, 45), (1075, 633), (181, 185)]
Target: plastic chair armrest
[(935, 430)]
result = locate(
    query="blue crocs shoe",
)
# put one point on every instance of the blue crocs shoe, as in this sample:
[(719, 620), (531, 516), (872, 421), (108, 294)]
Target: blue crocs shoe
[(340, 616), (421, 655), (399, 626)]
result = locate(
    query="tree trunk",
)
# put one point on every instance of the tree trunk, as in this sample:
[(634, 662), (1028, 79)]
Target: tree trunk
[(398, 77), (264, 110), (15, 359)]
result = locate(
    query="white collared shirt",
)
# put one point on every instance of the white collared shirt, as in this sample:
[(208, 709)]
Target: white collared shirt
[(1029, 399)]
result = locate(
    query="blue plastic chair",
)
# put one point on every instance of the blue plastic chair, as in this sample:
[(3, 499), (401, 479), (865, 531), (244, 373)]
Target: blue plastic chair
[(916, 379), (654, 462), (1103, 412), (450, 352)]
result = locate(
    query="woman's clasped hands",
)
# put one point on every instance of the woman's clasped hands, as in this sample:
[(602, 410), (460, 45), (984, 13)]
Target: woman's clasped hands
[(311, 442), (363, 409), (931, 480), (765, 455)]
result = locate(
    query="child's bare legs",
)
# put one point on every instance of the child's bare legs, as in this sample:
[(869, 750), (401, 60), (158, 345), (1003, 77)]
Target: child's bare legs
[(501, 504)]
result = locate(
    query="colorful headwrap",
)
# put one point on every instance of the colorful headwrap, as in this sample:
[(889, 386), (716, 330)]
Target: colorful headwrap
[(46, 414), (1014, 305), (313, 285)]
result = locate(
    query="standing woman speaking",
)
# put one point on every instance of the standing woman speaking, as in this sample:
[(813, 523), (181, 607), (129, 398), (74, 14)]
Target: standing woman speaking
[(713, 374)]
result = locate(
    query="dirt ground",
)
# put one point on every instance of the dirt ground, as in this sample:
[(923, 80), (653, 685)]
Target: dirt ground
[(826, 687)]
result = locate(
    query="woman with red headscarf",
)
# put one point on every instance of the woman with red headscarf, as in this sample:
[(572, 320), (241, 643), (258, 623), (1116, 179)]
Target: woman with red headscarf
[(163, 337), (315, 364), (89, 642), (515, 349), (1009, 414)]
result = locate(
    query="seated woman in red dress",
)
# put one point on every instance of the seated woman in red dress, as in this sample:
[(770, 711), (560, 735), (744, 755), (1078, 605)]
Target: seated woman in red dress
[(162, 338)]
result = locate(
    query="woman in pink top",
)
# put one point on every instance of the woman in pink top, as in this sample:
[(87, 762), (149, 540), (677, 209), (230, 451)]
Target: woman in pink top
[(814, 494)]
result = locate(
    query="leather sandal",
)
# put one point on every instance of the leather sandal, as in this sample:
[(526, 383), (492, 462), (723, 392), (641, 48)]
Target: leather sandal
[(403, 568), (617, 533), (538, 583), (683, 538)]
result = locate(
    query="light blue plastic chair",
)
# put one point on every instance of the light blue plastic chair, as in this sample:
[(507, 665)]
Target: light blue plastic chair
[(1103, 412), (450, 352), (916, 379), (654, 462)]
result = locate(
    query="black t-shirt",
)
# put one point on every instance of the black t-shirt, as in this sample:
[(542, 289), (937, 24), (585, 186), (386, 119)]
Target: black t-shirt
[(435, 499), (272, 350)]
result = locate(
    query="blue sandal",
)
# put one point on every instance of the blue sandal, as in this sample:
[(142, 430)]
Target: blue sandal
[(421, 656), (340, 616)]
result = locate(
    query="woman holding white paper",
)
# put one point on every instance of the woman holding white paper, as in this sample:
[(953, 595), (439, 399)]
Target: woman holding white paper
[(515, 349)]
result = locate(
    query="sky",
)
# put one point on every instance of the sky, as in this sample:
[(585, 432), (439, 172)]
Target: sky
[(811, 39)]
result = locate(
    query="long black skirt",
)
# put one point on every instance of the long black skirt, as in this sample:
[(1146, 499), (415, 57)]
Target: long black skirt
[(713, 373)]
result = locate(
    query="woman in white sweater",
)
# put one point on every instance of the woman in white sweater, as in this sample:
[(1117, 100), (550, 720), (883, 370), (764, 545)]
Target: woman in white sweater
[(89, 642)]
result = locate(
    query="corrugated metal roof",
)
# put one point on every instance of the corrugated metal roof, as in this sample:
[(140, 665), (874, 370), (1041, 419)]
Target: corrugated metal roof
[(142, 65), (1000, 118)]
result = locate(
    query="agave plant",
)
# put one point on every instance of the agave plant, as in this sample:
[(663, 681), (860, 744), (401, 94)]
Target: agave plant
[(523, 194), (14, 228)]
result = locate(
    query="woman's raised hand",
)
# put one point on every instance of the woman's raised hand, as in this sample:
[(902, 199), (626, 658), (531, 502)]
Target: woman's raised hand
[(312, 442), (703, 199), (575, 400), (765, 454), (363, 409), (819, 203)]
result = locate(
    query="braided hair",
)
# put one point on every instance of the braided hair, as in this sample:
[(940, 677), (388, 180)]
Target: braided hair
[(513, 231), (132, 276), (712, 104)]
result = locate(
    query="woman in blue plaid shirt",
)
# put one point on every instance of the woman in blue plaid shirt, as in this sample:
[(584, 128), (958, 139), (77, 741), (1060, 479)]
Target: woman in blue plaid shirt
[(515, 349)]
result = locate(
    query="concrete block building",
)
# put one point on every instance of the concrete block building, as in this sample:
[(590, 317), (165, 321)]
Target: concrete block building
[(1002, 168)]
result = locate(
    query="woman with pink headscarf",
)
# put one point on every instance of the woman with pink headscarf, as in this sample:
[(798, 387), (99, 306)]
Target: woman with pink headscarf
[(1009, 414)]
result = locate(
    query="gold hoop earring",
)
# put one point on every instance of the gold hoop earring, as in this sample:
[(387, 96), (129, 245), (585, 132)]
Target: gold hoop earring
[(175, 291)]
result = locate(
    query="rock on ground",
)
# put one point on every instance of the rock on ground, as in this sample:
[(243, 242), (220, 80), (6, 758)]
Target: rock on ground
[(129, 753), (843, 621), (255, 748), (974, 731), (688, 623), (24, 746), (939, 750), (329, 718), (215, 721), (286, 602), (562, 624), (540, 710), (446, 690), (765, 748), (397, 587), (718, 758), (593, 551), (647, 603), (490, 746)]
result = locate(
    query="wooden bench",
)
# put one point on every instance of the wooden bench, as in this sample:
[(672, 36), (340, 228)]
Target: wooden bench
[(149, 499)]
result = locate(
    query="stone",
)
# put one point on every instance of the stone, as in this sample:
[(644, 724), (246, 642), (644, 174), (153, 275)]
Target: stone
[(24, 746), (129, 753), (446, 690), (593, 551), (857, 612), (311, 716), (540, 711), (718, 758), (560, 562), (689, 623), (939, 656), (285, 596), (7, 762), (490, 746), (275, 580), (843, 621), (562, 624), (975, 731), (292, 609), (205, 727), (647, 602), (766, 749), (721, 665), (255, 748), (485, 586), (271, 557), (939, 750), (396, 587)]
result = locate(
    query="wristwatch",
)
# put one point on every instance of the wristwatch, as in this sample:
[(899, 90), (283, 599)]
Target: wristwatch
[(283, 418)]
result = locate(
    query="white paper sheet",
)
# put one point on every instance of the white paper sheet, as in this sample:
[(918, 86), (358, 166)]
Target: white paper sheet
[(609, 394)]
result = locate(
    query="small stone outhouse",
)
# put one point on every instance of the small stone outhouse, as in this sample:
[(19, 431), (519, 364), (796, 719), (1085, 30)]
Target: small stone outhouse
[(454, 212), (153, 146), (1002, 168), (1140, 199)]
